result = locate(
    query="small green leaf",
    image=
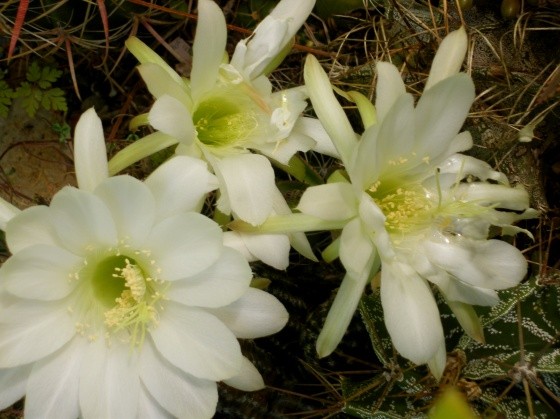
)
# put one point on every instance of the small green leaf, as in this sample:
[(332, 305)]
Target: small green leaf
[(6, 97), (48, 76), (30, 97), (54, 100), (33, 72)]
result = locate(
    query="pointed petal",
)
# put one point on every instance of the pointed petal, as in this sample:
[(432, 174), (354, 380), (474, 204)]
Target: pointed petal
[(342, 310), (160, 83), (171, 117), (208, 48), (491, 264), (52, 390), (32, 226), (464, 166), (221, 284), (185, 245), (248, 379), (90, 154), (389, 88), (468, 319), (180, 185), (254, 315), (272, 249), (149, 408), (41, 272), (438, 361), (249, 183), (328, 109), (7, 212), (410, 312), (332, 201), (313, 128), (497, 196), (440, 114), (31, 330), (449, 57), (180, 394), (82, 220), (356, 249), (197, 343), (109, 382), (132, 207), (13, 382), (144, 147), (271, 36), (144, 54)]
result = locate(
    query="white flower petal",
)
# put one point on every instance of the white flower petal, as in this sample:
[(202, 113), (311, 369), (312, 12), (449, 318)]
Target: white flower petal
[(182, 395), (271, 36), (160, 83), (449, 57), (13, 382), (148, 408), (332, 201), (7, 212), (82, 220), (208, 48), (410, 312), (197, 343), (171, 117), (283, 150), (222, 283), (438, 362), (356, 249), (40, 272), (109, 381), (52, 389), (466, 165), (314, 128), (184, 245), (136, 151), (389, 88), (272, 249), (491, 264), (248, 180), (31, 330), (31, 226), (255, 314), (132, 207), (440, 114), (497, 196), (180, 184), (90, 154), (248, 379), (342, 310), (146, 55), (234, 240), (328, 109)]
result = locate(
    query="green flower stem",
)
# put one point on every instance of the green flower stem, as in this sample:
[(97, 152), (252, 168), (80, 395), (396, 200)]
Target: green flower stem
[(291, 223), (136, 151)]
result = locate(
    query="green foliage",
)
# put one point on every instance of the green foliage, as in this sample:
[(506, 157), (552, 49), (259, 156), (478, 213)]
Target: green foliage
[(6, 96), (38, 92), (514, 374)]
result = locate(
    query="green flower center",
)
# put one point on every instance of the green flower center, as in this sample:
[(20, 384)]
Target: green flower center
[(221, 122), (122, 293), (405, 209)]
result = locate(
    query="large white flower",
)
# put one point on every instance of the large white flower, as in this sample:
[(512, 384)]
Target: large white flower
[(226, 109), (121, 300), (411, 205)]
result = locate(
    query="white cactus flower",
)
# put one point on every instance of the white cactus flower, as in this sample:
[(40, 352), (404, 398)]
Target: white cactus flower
[(121, 300)]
